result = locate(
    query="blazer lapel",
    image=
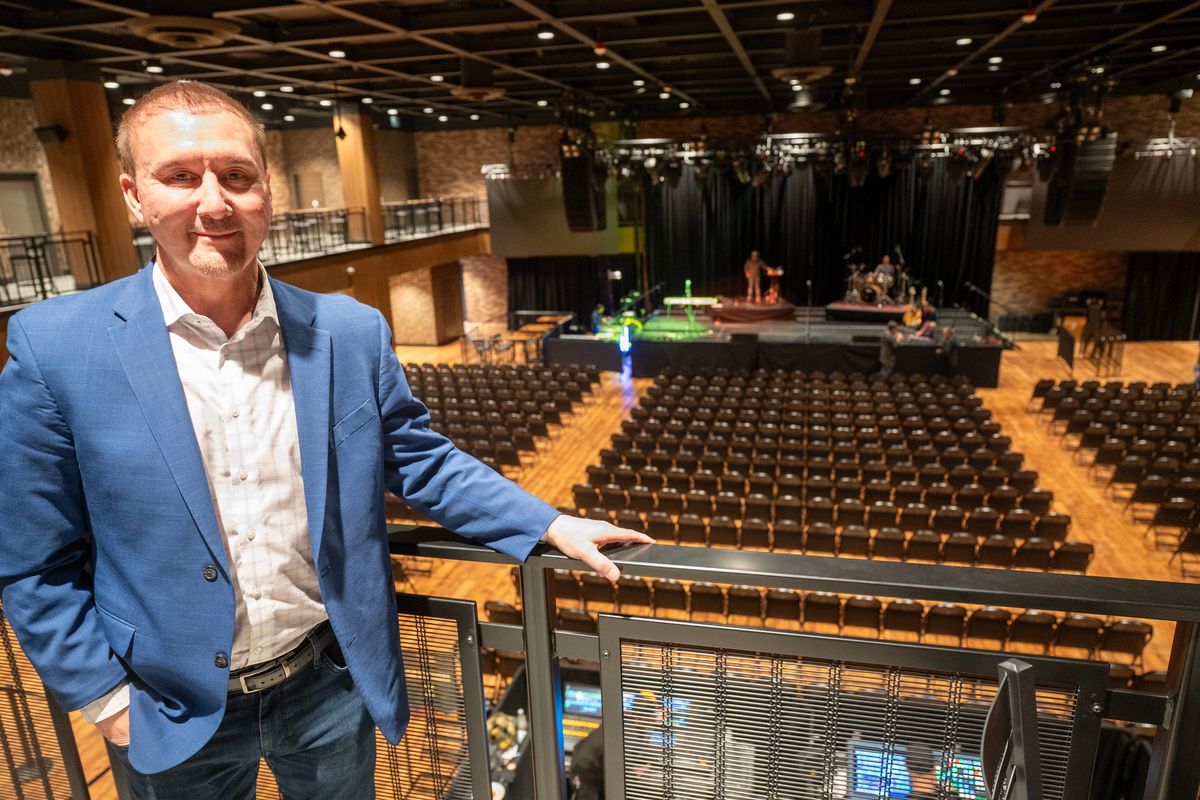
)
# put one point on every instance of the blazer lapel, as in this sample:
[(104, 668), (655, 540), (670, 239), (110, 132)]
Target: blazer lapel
[(309, 362), (143, 347)]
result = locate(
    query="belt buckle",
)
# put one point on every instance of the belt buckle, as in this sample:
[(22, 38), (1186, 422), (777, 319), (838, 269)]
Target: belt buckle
[(263, 670)]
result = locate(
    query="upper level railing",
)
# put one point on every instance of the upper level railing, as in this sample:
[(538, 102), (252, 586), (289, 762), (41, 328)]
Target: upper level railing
[(34, 267), (415, 219)]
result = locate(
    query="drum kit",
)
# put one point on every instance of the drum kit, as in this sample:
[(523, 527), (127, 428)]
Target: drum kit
[(875, 288)]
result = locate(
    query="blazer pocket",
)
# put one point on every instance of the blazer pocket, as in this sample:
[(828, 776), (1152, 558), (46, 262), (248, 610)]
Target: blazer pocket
[(118, 632), (352, 422)]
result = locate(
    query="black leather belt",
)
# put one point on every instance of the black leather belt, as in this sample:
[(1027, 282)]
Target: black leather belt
[(277, 670)]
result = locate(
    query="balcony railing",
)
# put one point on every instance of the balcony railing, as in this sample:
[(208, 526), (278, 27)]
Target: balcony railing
[(35, 267), (415, 219), (691, 709)]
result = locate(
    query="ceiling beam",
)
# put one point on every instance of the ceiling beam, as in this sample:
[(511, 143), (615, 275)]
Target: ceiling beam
[(881, 11), (543, 16), (735, 44)]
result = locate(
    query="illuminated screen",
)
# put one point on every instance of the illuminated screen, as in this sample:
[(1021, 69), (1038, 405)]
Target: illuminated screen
[(965, 777), (581, 699), (879, 774), (676, 706)]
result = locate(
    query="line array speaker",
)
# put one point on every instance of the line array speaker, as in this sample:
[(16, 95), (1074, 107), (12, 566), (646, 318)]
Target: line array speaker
[(583, 194), (1076, 192)]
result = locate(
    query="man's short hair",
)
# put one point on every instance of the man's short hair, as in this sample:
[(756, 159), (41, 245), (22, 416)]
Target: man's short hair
[(193, 96), (892, 325)]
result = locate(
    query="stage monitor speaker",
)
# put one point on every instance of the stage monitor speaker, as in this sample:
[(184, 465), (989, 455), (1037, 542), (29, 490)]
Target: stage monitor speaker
[(1076, 192), (583, 194)]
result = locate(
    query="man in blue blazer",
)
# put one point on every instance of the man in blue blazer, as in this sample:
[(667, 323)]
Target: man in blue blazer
[(194, 461)]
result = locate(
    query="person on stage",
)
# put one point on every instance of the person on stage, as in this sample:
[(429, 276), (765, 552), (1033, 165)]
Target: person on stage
[(885, 271), (192, 539), (753, 269), (597, 317)]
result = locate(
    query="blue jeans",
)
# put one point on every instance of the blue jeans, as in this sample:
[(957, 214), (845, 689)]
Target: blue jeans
[(312, 729)]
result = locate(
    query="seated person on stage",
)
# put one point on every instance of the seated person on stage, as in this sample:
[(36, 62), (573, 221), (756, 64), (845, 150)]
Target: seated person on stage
[(753, 270), (886, 271)]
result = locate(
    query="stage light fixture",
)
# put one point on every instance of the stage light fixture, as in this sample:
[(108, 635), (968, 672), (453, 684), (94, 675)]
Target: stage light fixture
[(599, 48), (943, 92), (993, 68), (1057, 85), (996, 60), (1030, 15), (664, 95), (393, 112), (685, 104), (111, 85), (638, 82)]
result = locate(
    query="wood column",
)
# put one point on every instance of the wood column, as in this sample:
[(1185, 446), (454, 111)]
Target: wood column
[(357, 163), (83, 166)]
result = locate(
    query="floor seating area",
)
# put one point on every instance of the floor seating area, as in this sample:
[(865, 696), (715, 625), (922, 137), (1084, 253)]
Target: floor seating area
[(908, 468), (1140, 440), (497, 413)]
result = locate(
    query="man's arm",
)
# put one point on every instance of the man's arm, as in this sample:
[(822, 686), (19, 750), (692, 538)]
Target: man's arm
[(460, 493), (46, 590)]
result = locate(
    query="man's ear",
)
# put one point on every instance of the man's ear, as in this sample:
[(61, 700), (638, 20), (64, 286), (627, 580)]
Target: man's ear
[(132, 200)]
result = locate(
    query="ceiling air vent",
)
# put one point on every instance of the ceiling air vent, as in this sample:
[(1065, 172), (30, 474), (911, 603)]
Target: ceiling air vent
[(476, 83), (183, 33), (802, 58)]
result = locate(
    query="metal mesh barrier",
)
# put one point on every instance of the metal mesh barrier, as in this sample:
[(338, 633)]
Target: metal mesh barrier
[(34, 765), (697, 720)]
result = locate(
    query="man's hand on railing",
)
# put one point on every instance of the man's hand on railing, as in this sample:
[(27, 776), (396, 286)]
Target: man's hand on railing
[(583, 538)]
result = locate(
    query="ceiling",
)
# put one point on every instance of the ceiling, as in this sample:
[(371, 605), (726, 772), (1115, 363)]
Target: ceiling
[(716, 56)]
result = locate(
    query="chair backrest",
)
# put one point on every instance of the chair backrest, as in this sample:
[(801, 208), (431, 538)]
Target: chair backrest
[(1033, 627), (923, 546), (707, 598), (783, 605), (946, 619), (1073, 557), (904, 615), (745, 601), (862, 612), (503, 612), (822, 607), (1079, 631), (989, 623), (668, 594)]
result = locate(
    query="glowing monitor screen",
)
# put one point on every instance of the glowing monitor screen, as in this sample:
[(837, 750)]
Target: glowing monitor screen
[(581, 699), (880, 774), (965, 777)]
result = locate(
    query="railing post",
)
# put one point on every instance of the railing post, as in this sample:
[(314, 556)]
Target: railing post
[(1174, 768), (544, 684)]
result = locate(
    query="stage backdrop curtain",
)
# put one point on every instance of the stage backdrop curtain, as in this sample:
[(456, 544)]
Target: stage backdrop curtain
[(1162, 296), (806, 219), (568, 283)]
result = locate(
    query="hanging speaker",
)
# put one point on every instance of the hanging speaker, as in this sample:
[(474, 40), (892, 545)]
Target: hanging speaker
[(583, 194), (1076, 192)]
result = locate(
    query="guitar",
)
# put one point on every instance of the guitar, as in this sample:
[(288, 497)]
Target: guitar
[(915, 311)]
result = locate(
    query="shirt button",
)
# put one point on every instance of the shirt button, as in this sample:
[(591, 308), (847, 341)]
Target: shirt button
[(209, 572), (243, 475), (235, 413), (250, 534), (220, 661), (258, 649), (256, 594)]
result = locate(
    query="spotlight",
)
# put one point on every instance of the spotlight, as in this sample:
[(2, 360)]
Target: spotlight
[(599, 49), (943, 92), (393, 112), (685, 104), (427, 110), (128, 101), (664, 95), (325, 103), (602, 65), (1056, 85), (111, 85), (289, 118), (6, 71), (963, 42), (639, 82), (993, 68), (336, 53), (368, 100), (259, 93), (1158, 48), (543, 103), (545, 33), (996, 60), (153, 67), (287, 89), (443, 118), (437, 78), (267, 107), (914, 81), (1030, 16), (474, 117), (785, 16)]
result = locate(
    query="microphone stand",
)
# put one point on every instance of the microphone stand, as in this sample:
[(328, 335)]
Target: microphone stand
[(941, 294), (808, 315)]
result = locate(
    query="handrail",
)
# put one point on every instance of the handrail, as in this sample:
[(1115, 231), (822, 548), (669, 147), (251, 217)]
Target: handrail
[(976, 585)]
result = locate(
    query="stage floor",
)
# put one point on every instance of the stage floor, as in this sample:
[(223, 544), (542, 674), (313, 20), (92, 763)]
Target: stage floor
[(809, 325)]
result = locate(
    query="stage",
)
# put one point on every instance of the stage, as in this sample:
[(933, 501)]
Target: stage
[(806, 341)]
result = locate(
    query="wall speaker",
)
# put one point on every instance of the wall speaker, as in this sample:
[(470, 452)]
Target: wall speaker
[(583, 194), (1076, 192)]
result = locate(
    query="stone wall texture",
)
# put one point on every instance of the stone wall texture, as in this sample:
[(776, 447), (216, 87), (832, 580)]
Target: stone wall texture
[(23, 153)]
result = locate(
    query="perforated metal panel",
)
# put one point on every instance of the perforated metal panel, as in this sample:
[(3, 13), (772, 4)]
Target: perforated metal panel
[(34, 765), (737, 713)]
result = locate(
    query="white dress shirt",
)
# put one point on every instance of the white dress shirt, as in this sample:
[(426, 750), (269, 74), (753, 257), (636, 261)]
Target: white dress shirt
[(239, 397)]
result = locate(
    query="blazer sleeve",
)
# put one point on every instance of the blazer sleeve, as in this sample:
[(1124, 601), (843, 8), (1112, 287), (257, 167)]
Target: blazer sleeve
[(445, 484), (45, 584)]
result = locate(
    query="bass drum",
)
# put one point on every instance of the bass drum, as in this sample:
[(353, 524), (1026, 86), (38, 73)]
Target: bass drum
[(869, 290)]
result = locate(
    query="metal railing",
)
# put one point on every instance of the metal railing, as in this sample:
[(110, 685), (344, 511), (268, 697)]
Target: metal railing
[(693, 709), (979, 305), (35, 267), (415, 219)]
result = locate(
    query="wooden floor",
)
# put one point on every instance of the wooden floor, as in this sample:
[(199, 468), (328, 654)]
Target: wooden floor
[(1121, 549)]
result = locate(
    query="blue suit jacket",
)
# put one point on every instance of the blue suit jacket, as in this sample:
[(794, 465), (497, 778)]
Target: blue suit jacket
[(106, 521)]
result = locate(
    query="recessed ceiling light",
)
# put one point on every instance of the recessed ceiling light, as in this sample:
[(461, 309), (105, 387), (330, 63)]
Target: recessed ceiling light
[(337, 53), (289, 118), (639, 82), (913, 81), (994, 68), (664, 95), (543, 103), (996, 60), (963, 42), (1056, 85), (602, 65), (1158, 48), (288, 89), (685, 104), (794, 81), (475, 117), (154, 69), (111, 85), (267, 107), (785, 16), (128, 101), (368, 100), (641, 90), (442, 118), (1097, 70), (259, 93), (437, 78), (943, 92), (545, 33), (797, 87), (326, 103), (427, 109), (393, 112)]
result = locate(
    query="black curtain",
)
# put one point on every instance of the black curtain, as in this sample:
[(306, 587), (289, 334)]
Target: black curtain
[(1162, 296), (568, 283), (703, 227)]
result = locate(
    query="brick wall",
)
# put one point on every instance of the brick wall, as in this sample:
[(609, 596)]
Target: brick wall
[(23, 153), (311, 154), (449, 162), (395, 155), (485, 288), (1025, 281)]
